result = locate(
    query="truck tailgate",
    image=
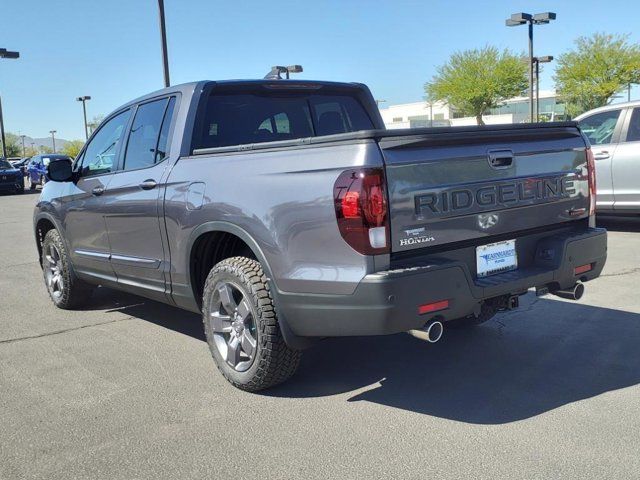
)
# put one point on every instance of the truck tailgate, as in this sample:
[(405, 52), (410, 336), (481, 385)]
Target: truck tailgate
[(460, 184)]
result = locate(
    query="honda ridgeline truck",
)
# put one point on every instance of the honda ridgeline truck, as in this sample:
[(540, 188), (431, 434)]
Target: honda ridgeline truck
[(284, 212)]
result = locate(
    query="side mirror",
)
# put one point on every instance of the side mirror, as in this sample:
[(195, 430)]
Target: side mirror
[(60, 170)]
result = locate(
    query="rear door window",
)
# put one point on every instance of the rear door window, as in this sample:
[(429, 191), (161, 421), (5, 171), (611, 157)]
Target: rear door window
[(237, 119), (147, 142)]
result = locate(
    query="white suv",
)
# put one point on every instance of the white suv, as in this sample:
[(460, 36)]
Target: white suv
[(614, 133)]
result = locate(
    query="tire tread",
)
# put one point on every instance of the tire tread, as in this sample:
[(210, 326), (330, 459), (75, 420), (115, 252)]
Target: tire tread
[(277, 361)]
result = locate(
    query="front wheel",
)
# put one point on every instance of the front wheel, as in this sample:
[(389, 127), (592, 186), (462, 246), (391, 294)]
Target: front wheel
[(242, 327), (65, 289)]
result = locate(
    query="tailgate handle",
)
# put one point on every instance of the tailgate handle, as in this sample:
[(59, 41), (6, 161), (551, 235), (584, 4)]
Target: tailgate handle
[(499, 159)]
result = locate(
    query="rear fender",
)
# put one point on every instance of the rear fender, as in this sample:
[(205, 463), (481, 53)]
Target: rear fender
[(290, 338)]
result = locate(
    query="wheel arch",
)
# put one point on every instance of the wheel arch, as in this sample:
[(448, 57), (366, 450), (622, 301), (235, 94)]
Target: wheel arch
[(42, 224), (219, 227), (216, 227)]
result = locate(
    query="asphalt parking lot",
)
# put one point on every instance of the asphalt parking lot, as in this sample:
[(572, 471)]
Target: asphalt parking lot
[(127, 389)]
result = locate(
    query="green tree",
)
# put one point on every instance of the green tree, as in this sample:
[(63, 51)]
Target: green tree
[(14, 147), (600, 67), (31, 151), (472, 81), (72, 148), (44, 149)]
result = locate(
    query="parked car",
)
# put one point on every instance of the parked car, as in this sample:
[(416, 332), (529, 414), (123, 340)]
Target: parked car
[(614, 134), (11, 179), (37, 168), (284, 212), (21, 164)]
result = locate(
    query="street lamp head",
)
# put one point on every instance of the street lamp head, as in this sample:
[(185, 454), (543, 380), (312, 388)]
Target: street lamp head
[(83, 98), (4, 53), (544, 17), (521, 17), (545, 59), (53, 131)]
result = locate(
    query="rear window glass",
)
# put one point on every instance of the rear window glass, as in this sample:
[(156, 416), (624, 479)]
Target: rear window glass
[(237, 119)]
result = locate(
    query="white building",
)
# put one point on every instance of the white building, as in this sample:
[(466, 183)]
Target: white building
[(514, 110), (416, 114)]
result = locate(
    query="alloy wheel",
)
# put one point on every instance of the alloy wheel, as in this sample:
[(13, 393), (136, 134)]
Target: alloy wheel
[(53, 271), (233, 325)]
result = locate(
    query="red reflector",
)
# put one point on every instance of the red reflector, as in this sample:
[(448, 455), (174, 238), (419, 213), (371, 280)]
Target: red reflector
[(433, 307), (582, 269)]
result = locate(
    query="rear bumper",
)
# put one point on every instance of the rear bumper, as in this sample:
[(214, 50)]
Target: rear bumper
[(387, 302)]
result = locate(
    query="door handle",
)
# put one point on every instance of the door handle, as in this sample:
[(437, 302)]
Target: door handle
[(97, 191), (500, 159), (603, 155), (148, 184)]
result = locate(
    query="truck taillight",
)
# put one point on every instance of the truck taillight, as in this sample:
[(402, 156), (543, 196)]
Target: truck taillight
[(591, 171), (360, 201)]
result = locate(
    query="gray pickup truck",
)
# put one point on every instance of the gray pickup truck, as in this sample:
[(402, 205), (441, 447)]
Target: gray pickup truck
[(284, 212)]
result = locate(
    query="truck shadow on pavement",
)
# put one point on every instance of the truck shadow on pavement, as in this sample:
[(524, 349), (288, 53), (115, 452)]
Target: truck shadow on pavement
[(516, 367), (620, 224), (521, 364)]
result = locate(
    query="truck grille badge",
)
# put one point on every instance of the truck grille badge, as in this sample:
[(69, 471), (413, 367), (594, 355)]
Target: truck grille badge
[(487, 220)]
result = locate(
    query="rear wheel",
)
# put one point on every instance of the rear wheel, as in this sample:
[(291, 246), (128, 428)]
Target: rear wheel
[(65, 289), (242, 328)]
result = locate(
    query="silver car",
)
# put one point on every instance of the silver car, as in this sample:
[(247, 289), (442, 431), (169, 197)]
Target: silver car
[(614, 133)]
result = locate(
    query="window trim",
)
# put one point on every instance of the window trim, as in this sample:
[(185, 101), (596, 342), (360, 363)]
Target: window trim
[(167, 98), (77, 167), (627, 124)]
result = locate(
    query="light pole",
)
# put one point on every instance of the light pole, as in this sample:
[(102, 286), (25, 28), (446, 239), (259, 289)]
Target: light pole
[(84, 99), (22, 138), (4, 53), (53, 139), (163, 38), (33, 149), (531, 20), (538, 61)]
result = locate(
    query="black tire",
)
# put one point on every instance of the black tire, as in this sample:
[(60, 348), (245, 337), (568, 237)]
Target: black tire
[(487, 312), (273, 362), (73, 291), (32, 186)]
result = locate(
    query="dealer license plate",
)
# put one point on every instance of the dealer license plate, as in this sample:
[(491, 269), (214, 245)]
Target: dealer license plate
[(496, 258)]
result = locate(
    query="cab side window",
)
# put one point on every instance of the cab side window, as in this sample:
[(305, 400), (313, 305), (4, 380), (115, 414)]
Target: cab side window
[(100, 155), (147, 142), (599, 128)]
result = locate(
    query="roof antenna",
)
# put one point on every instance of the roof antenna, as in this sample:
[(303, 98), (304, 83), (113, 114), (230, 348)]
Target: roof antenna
[(277, 70)]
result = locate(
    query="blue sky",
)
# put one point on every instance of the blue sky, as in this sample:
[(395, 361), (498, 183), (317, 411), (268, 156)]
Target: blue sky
[(110, 49)]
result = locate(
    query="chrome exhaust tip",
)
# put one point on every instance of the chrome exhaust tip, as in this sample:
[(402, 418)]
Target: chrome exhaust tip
[(574, 293), (431, 332)]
